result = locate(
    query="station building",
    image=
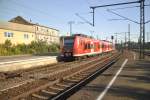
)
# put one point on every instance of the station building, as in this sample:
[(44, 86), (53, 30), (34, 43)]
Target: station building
[(42, 33), (16, 33)]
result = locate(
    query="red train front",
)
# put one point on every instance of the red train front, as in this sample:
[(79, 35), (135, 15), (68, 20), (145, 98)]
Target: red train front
[(79, 45)]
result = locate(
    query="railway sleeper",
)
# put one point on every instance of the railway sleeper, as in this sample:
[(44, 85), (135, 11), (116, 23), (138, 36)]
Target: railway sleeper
[(77, 78), (48, 92), (72, 80), (56, 88), (66, 82), (62, 85), (80, 76), (39, 96), (85, 74)]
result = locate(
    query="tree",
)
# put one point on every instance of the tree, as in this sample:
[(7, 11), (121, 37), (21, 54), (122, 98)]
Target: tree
[(7, 44)]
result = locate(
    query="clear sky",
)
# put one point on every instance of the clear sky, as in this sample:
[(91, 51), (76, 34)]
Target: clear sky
[(57, 14)]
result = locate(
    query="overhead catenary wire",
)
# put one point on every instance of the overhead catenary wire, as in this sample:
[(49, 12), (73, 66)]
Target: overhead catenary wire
[(142, 20), (122, 16), (122, 8), (85, 20)]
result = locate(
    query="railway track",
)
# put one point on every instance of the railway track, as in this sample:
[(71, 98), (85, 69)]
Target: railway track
[(53, 85), (146, 53), (32, 71)]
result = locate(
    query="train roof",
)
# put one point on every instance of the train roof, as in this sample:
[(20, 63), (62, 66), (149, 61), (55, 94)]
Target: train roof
[(81, 35), (86, 36)]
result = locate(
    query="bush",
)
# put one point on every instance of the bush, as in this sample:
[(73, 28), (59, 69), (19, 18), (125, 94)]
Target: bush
[(35, 47)]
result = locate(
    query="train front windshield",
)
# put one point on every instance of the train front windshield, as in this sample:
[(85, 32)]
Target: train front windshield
[(68, 42)]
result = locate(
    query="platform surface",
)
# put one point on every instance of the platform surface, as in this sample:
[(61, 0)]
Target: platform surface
[(132, 83), (20, 57), (14, 63)]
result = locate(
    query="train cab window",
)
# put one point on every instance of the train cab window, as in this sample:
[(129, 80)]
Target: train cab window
[(68, 42)]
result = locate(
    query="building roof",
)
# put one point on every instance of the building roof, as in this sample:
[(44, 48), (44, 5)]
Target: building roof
[(21, 20), (16, 27)]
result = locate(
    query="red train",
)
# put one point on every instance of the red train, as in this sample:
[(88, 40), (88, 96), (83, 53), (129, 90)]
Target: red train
[(79, 45)]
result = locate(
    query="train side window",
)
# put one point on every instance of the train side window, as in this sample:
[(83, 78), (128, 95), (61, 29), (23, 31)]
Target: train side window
[(98, 46), (95, 46), (102, 45), (81, 43), (89, 46), (85, 46)]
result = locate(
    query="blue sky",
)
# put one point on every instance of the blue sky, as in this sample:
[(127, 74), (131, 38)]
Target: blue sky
[(57, 14)]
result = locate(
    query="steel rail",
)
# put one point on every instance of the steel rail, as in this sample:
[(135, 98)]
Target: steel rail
[(69, 91)]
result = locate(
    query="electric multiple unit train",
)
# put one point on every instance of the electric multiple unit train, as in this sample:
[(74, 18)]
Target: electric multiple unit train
[(79, 45)]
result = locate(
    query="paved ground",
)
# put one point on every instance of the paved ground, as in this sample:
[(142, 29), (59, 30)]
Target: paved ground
[(133, 82), (17, 58)]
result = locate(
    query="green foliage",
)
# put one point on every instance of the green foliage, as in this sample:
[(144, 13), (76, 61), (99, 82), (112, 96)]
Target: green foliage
[(35, 47), (7, 44)]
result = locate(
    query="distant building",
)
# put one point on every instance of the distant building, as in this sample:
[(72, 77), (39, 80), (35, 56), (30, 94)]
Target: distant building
[(16, 33), (47, 34), (42, 33)]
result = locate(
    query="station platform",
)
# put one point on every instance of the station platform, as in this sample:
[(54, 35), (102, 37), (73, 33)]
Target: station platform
[(127, 79), (13, 63)]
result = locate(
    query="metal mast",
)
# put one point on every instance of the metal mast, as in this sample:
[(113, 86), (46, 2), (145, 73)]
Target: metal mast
[(142, 22), (129, 36), (142, 29)]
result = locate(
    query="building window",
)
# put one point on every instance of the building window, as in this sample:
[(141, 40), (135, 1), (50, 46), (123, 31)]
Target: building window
[(52, 33), (37, 28), (26, 36), (8, 34)]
